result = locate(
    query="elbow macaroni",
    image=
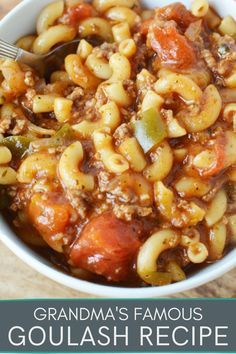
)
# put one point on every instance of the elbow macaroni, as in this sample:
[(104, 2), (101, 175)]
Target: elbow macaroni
[(210, 107), (127, 47), (103, 5), (79, 73), (180, 84), (132, 151), (228, 26), (54, 35), (121, 32), (174, 129), (116, 62), (217, 208), (200, 8), (115, 92), (71, 176), (230, 81), (84, 49), (151, 250), (110, 118), (96, 26), (197, 252), (152, 100), (43, 103), (112, 161), (192, 187), (26, 42), (123, 14), (59, 75), (5, 155), (99, 67), (163, 161), (189, 216), (137, 183), (49, 15), (7, 176), (218, 236), (41, 165), (63, 109), (14, 77)]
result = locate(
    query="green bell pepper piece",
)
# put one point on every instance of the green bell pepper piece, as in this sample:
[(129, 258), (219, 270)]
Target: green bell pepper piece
[(18, 145), (150, 130), (64, 134)]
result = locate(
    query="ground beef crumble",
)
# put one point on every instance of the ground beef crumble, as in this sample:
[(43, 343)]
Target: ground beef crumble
[(106, 50), (76, 94), (122, 133), (128, 212), (14, 125), (85, 106), (78, 201), (220, 57)]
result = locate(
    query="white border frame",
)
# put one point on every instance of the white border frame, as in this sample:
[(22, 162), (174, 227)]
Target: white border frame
[(18, 22)]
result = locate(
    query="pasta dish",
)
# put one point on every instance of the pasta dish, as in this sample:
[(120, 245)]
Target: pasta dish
[(121, 167)]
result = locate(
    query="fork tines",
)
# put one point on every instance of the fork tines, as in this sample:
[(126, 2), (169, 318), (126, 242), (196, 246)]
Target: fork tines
[(8, 51)]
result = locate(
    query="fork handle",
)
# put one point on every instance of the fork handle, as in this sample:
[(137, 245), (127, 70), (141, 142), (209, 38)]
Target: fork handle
[(9, 51)]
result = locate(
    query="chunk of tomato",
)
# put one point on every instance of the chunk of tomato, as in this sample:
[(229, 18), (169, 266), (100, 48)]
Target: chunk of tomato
[(78, 13), (219, 165), (107, 246), (50, 218), (172, 48), (178, 13), (145, 26)]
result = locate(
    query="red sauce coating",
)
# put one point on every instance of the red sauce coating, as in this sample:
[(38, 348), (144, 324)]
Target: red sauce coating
[(107, 246)]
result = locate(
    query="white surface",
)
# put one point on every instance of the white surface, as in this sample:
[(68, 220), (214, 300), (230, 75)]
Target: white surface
[(19, 22)]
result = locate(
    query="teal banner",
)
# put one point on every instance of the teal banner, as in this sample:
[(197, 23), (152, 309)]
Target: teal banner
[(130, 326)]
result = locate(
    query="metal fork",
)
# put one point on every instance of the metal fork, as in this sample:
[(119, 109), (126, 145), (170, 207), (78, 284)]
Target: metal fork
[(44, 64)]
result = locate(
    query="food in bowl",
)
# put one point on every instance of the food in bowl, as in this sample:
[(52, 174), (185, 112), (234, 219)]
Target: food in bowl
[(121, 167)]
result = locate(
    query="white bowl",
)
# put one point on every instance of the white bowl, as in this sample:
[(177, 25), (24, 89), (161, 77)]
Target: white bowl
[(19, 22)]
